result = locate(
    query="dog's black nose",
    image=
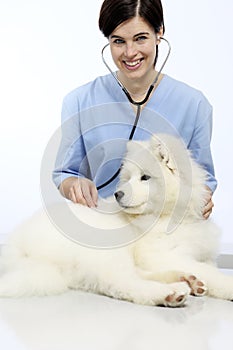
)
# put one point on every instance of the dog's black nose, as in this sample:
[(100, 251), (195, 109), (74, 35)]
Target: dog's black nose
[(118, 195)]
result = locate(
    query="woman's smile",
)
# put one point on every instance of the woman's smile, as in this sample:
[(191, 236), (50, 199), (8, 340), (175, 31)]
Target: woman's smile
[(133, 65)]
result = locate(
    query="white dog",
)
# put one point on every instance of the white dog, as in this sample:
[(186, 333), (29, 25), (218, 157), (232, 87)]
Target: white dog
[(170, 252)]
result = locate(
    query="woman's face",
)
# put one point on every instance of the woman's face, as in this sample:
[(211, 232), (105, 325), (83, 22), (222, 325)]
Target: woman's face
[(133, 48)]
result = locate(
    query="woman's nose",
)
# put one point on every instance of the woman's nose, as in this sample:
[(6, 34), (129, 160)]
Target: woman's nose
[(130, 50)]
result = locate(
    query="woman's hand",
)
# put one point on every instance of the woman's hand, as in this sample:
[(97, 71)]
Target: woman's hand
[(80, 190), (209, 204)]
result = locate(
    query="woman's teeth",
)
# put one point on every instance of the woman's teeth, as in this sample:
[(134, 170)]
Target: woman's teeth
[(132, 64)]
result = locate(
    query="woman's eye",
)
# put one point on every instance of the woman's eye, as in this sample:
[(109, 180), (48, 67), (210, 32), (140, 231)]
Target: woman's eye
[(141, 38), (118, 41), (145, 177)]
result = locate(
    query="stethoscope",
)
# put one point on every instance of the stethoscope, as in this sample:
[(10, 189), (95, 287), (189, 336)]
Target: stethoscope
[(136, 103)]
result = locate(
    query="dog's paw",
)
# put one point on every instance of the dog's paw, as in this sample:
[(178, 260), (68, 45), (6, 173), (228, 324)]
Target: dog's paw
[(175, 299), (198, 287), (178, 296)]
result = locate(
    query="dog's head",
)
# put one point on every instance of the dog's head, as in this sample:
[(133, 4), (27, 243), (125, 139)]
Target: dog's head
[(159, 176)]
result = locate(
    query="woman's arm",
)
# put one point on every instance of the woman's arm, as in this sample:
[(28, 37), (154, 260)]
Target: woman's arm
[(200, 148), (71, 171)]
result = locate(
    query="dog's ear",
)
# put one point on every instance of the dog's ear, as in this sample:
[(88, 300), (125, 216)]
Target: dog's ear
[(162, 152)]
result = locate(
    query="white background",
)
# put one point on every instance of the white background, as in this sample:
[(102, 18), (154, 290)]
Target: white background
[(49, 47)]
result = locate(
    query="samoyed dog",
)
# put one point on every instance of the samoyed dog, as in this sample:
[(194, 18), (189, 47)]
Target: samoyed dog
[(170, 251)]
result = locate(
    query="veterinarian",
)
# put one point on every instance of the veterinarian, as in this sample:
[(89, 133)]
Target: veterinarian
[(137, 100)]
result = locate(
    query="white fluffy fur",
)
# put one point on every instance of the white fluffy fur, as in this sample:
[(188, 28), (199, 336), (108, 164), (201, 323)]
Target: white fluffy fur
[(174, 258)]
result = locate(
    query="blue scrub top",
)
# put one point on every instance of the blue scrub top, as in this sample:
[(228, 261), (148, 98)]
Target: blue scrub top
[(97, 120)]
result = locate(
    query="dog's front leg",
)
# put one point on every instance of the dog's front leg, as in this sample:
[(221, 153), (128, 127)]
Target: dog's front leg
[(119, 279), (197, 286)]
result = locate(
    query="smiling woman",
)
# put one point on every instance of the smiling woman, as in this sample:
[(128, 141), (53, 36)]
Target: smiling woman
[(134, 30)]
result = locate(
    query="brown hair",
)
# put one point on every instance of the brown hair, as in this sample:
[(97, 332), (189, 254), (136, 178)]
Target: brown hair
[(115, 12)]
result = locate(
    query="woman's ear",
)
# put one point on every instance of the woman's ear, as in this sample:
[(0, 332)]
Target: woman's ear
[(159, 35)]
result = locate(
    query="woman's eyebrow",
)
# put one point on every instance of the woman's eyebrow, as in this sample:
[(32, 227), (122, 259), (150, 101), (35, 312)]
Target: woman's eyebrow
[(115, 36), (138, 34), (142, 33)]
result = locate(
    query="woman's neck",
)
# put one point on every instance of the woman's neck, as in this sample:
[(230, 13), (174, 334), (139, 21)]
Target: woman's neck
[(138, 87)]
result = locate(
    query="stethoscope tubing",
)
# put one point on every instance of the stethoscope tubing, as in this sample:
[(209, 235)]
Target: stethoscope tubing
[(151, 87), (138, 104), (114, 176)]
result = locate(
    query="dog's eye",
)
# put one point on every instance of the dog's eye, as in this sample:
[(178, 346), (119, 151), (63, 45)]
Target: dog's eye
[(145, 177)]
